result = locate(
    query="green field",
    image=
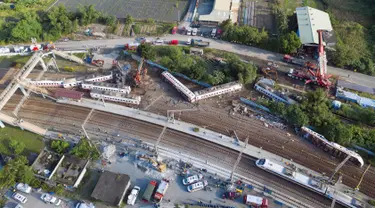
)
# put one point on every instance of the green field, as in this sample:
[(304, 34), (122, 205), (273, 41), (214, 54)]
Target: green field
[(32, 141), (6, 62)]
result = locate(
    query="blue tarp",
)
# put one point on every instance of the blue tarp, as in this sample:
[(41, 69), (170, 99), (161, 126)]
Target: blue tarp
[(253, 104)]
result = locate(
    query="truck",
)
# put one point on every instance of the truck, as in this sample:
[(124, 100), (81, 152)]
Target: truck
[(255, 201), (173, 42), (292, 60), (147, 196), (133, 195), (162, 189), (25, 188), (213, 32), (200, 43), (131, 46)]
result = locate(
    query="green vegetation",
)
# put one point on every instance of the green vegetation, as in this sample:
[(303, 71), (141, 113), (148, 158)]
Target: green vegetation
[(85, 151), (60, 146), (315, 111), (16, 146), (32, 142), (177, 60), (196, 129), (357, 113), (50, 25), (17, 170), (371, 202)]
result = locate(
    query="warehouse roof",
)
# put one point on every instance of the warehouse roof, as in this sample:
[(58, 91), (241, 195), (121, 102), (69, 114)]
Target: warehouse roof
[(220, 12), (68, 94), (311, 20), (111, 187)]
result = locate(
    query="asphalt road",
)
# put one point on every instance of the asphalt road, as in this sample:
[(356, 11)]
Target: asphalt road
[(358, 78)]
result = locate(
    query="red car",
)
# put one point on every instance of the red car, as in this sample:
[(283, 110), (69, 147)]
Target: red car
[(174, 30)]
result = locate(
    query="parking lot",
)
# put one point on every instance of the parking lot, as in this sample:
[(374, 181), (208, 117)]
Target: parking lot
[(33, 201)]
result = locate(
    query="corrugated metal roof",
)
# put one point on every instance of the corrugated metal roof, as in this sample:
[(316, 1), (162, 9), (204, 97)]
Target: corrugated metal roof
[(68, 94), (220, 12), (311, 20), (353, 86)]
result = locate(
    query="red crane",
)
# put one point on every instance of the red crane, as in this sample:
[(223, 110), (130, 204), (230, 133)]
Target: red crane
[(320, 76)]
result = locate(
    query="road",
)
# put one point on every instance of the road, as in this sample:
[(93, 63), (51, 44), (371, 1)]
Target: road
[(357, 78)]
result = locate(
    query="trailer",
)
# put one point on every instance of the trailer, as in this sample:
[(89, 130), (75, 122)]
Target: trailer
[(255, 201), (147, 196)]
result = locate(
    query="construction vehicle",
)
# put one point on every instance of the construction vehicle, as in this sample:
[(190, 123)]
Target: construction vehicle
[(90, 32), (292, 60), (158, 165), (147, 195), (319, 76), (269, 70)]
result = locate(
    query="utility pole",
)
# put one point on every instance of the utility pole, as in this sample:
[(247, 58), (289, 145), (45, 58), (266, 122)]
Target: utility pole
[(238, 160), (170, 114), (338, 167), (334, 194), (159, 138)]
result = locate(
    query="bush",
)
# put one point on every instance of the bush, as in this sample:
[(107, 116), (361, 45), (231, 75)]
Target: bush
[(196, 129), (136, 29), (16, 146), (371, 202), (60, 146), (85, 151)]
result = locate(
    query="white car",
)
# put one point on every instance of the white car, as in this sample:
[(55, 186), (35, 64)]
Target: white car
[(18, 206), (197, 186), (159, 42), (192, 179), (19, 197), (49, 199), (23, 187), (188, 42), (188, 31), (195, 32), (133, 195)]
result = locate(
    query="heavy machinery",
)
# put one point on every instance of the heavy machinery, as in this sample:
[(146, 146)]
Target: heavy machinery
[(158, 165), (98, 63), (309, 75), (269, 70)]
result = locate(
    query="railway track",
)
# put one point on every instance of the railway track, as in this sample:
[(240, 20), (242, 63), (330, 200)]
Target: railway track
[(271, 139)]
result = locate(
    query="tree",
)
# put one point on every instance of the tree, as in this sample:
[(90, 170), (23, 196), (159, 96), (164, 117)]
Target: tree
[(129, 20), (88, 14), (296, 116), (17, 170), (146, 51), (136, 29), (28, 27), (290, 43), (16, 146), (60, 146), (84, 150)]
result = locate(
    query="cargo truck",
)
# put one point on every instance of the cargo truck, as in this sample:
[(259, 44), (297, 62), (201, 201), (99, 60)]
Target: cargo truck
[(147, 196), (200, 43), (162, 189)]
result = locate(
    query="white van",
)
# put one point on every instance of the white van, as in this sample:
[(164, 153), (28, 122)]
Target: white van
[(195, 31), (23, 187), (133, 195), (20, 198), (197, 186), (213, 32), (192, 179)]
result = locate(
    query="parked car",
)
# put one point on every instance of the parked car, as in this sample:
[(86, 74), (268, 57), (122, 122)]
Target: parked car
[(25, 188), (159, 42), (20, 198), (18, 206), (195, 32), (188, 42), (188, 32), (133, 195), (49, 199), (192, 179), (197, 186)]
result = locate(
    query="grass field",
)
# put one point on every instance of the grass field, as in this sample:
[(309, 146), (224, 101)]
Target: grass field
[(32, 141), (162, 10), (6, 62)]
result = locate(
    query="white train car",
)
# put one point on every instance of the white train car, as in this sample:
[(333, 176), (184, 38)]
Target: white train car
[(188, 94), (47, 83), (218, 90), (308, 182), (75, 82), (106, 87), (291, 175), (115, 97), (320, 139)]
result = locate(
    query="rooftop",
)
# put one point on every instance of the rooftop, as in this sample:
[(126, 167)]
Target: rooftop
[(220, 12), (218, 87), (70, 170), (311, 20), (46, 163), (114, 94), (352, 86), (111, 187)]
